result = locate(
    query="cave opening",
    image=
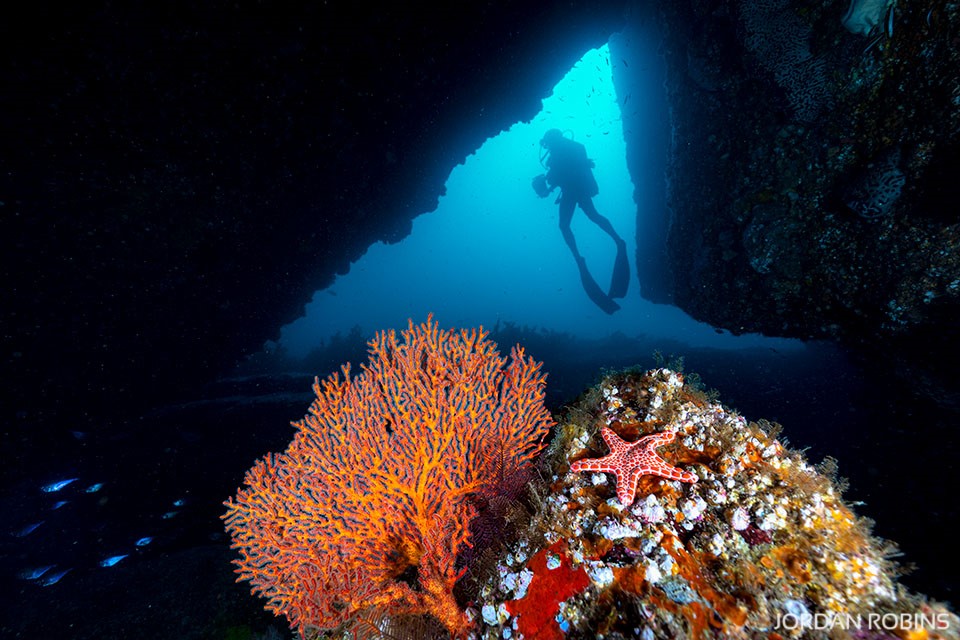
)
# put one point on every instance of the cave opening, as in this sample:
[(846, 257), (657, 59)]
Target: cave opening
[(492, 253)]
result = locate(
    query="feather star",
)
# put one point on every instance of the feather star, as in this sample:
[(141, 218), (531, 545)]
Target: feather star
[(630, 460)]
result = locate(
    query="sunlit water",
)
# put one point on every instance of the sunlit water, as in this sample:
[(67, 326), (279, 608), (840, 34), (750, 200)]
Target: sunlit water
[(492, 250)]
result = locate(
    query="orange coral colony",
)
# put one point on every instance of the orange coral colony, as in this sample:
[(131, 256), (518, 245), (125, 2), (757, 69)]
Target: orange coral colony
[(364, 514)]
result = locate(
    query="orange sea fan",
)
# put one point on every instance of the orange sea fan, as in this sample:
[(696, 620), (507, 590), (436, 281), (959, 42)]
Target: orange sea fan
[(368, 508)]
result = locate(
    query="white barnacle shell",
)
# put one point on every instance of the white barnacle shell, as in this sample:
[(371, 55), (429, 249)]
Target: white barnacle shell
[(740, 519)]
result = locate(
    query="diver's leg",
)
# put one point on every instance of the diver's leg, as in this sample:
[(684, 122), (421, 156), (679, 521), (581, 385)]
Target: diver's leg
[(620, 279), (567, 207), (591, 210), (590, 286)]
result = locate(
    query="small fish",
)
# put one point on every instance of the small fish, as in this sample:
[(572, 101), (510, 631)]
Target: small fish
[(180, 502), (33, 574), (53, 487), (142, 542), (27, 530), (169, 514), (59, 504), (79, 435), (94, 487), (112, 560), (53, 578)]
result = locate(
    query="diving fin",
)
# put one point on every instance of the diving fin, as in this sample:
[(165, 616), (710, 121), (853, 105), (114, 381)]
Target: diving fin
[(621, 272), (593, 290)]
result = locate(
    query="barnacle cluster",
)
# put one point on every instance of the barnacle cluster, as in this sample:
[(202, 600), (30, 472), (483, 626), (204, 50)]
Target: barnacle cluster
[(762, 545)]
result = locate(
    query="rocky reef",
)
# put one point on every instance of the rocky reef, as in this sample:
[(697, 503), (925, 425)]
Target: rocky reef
[(761, 545), (809, 174)]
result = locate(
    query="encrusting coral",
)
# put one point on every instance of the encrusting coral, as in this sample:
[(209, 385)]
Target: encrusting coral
[(760, 546), (365, 513)]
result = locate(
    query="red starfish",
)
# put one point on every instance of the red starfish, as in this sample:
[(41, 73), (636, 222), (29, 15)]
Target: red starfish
[(630, 460)]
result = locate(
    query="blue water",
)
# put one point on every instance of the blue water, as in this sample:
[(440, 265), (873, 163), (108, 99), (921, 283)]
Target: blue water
[(492, 250)]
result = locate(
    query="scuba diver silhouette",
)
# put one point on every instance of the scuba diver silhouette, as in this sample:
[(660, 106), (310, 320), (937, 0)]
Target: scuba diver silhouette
[(569, 168)]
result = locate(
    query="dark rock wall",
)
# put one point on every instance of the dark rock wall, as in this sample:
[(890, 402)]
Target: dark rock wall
[(807, 179), (639, 76), (178, 178)]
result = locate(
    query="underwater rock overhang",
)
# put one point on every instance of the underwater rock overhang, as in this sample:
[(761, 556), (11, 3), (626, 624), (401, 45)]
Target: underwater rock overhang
[(216, 206), (807, 192)]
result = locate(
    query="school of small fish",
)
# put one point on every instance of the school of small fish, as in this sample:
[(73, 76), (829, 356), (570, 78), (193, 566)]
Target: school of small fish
[(50, 574)]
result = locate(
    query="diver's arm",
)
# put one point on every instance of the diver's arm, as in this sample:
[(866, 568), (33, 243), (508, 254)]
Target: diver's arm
[(551, 177)]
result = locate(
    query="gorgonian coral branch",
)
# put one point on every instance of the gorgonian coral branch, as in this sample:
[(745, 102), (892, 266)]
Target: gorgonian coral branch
[(369, 506)]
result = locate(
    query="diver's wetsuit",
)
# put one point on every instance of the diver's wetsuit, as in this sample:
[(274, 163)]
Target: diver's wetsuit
[(569, 169)]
